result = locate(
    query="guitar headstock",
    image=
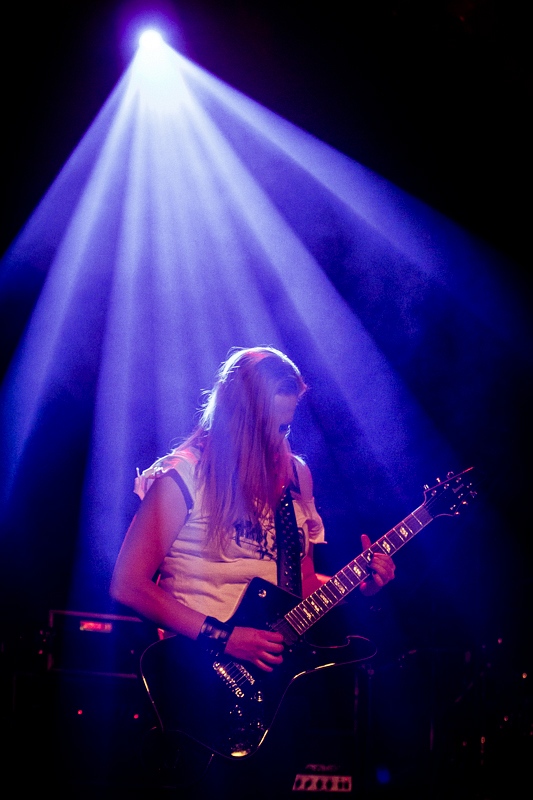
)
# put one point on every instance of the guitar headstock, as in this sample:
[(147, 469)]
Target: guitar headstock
[(450, 496)]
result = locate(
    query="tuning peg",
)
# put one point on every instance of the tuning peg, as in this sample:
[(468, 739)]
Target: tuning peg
[(450, 475), (438, 480), (426, 487)]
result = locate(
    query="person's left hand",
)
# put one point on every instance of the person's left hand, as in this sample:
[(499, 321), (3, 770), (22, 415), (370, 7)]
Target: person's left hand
[(382, 570)]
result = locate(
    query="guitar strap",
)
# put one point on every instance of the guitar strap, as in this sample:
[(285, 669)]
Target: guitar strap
[(288, 546)]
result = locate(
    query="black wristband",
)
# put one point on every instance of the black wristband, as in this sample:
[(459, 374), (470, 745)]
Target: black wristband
[(214, 636)]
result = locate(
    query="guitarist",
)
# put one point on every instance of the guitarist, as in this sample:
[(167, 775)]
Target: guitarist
[(205, 526)]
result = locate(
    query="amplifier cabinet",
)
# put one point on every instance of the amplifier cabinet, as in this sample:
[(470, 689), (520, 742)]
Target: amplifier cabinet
[(99, 644)]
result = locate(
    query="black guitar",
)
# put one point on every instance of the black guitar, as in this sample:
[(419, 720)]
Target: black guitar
[(228, 706)]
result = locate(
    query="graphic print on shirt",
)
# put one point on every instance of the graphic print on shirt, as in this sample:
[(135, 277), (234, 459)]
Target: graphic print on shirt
[(260, 539)]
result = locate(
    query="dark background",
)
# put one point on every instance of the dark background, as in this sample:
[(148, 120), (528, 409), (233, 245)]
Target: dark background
[(435, 96)]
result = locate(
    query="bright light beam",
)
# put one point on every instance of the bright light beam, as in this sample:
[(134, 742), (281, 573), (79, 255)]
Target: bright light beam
[(151, 40), (192, 220)]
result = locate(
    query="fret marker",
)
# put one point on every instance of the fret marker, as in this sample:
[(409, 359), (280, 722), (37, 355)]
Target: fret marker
[(339, 586)]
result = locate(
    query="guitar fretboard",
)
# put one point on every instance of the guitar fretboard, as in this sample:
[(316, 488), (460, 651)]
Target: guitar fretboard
[(321, 601)]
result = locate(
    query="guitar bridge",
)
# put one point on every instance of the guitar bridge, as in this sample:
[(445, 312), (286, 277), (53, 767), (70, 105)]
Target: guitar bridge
[(233, 675)]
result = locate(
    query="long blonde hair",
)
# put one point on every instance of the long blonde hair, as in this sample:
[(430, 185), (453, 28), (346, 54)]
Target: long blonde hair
[(242, 464)]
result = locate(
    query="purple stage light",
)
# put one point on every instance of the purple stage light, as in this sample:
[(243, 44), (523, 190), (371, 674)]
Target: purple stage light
[(190, 219), (151, 40)]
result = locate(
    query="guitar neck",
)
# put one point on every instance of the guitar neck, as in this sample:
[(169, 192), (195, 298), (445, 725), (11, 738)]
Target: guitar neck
[(304, 615)]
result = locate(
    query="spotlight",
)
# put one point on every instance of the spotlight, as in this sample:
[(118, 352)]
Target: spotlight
[(150, 40)]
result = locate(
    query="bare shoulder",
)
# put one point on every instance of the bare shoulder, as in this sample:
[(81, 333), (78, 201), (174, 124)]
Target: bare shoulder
[(165, 499)]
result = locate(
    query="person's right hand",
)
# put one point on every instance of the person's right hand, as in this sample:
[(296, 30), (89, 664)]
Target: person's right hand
[(261, 648)]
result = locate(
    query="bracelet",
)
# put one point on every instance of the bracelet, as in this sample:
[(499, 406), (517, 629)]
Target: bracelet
[(214, 636)]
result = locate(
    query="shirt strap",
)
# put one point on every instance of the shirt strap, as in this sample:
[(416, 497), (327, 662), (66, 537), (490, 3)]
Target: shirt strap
[(183, 486)]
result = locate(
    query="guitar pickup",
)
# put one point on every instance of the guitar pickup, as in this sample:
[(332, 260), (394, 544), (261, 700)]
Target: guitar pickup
[(233, 674)]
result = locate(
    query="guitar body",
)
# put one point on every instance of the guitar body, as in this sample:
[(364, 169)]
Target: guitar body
[(226, 705)]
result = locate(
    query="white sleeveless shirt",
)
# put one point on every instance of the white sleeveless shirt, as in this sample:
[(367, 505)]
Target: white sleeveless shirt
[(209, 578)]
